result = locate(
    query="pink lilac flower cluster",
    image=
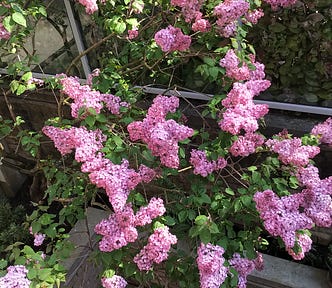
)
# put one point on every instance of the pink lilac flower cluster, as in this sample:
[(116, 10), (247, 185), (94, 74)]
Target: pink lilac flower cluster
[(210, 262), (86, 142), (38, 237), (132, 34), (117, 179), (120, 227), (90, 5), (246, 145), (228, 13), (86, 98), (282, 216), (291, 151), (304, 243), (244, 267), (16, 277), (172, 39), (4, 33), (202, 166), (190, 8), (157, 249), (114, 282), (242, 114), (253, 16), (95, 73), (283, 3), (241, 72), (324, 131), (159, 134)]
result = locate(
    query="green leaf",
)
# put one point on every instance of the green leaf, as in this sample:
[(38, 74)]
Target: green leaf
[(182, 215), (205, 236), (19, 19), (27, 76), (214, 228), (277, 27), (229, 191), (8, 23), (90, 120), (44, 274), (201, 220)]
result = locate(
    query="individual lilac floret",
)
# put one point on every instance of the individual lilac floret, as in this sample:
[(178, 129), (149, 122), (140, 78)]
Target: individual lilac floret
[(202, 166), (244, 267), (159, 134), (172, 39), (156, 251), (281, 216), (114, 282), (16, 277), (291, 151), (210, 262), (324, 130), (304, 242)]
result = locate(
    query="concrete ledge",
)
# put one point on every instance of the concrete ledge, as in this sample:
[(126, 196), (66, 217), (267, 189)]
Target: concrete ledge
[(280, 273), (81, 271)]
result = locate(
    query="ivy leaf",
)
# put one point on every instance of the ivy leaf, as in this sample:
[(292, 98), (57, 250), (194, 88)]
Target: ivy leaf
[(19, 19)]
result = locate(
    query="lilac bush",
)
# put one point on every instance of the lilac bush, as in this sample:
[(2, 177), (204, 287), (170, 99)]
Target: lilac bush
[(176, 195)]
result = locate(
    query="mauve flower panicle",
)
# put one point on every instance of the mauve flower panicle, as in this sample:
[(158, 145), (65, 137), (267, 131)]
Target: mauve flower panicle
[(246, 145), (159, 134), (281, 216), (201, 25), (114, 282), (118, 230), (253, 16), (154, 209), (283, 3), (62, 138), (228, 13), (38, 237), (16, 277), (231, 63), (86, 98), (308, 176), (324, 130), (132, 34), (146, 173), (157, 249), (190, 8), (90, 5), (210, 262), (291, 151), (172, 39), (242, 72), (304, 241), (202, 166), (95, 73), (4, 33), (318, 207), (244, 267), (117, 180)]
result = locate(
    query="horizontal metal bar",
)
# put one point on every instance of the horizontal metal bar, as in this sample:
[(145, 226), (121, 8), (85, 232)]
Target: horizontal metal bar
[(272, 105)]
